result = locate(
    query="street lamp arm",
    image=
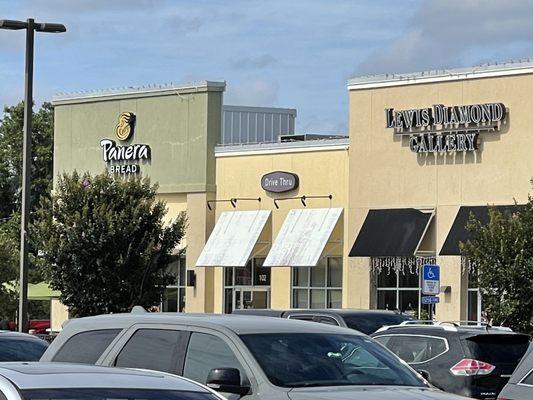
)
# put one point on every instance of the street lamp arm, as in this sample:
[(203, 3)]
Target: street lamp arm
[(12, 24), (38, 26), (49, 27)]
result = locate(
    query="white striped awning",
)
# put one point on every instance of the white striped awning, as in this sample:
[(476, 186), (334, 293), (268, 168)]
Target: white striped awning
[(303, 237), (233, 239)]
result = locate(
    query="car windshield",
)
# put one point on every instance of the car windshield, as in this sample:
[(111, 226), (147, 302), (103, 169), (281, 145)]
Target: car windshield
[(316, 359), (369, 323), (21, 349), (113, 394)]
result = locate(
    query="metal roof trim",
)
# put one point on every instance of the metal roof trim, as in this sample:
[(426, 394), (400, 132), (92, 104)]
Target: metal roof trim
[(155, 90), (441, 75)]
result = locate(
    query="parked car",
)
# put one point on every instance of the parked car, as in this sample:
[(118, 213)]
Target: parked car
[(256, 358), (474, 361), (37, 326), (15, 346), (366, 321), (520, 385), (37, 381)]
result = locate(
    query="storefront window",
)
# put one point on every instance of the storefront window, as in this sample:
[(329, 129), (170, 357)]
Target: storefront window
[(400, 291), (174, 297), (247, 287), (474, 297), (319, 286)]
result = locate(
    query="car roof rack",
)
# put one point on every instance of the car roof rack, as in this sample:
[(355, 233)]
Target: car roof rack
[(446, 325), (475, 325), (418, 322)]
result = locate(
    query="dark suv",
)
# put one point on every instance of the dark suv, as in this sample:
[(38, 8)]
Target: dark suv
[(474, 361), (365, 321)]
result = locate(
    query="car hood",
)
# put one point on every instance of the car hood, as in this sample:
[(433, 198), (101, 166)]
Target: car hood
[(370, 393)]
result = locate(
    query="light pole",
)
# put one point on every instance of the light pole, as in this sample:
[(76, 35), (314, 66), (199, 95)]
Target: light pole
[(31, 26)]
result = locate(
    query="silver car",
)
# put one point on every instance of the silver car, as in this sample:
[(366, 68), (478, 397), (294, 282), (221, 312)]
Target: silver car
[(246, 357), (58, 381)]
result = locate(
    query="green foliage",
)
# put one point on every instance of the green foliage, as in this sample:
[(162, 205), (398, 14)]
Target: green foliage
[(105, 244), (8, 269), (11, 128), (502, 254)]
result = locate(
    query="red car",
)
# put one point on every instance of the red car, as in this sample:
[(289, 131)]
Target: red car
[(37, 326)]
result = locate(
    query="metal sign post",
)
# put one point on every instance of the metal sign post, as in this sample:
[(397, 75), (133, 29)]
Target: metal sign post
[(430, 286)]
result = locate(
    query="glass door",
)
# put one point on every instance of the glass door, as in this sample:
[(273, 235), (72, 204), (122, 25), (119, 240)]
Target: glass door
[(251, 298)]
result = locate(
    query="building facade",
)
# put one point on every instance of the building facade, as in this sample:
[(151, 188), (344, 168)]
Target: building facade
[(432, 147), (330, 222)]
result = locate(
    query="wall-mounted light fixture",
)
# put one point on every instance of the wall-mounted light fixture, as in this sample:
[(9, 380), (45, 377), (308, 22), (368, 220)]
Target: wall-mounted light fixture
[(191, 278)]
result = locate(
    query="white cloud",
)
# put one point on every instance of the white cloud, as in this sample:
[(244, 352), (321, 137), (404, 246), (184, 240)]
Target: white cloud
[(254, 92), (451, 33)]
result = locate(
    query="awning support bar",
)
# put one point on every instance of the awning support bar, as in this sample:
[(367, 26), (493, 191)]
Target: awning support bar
[(232, 201), (302, 199)]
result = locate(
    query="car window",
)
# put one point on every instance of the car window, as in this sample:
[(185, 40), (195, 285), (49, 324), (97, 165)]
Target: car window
[(206, 352), (328, 321), (414, 348), (369, 323), (156, 349), (498, 349), (14, 349), (308, 317), (86, 347), (316, 359), (528, 380)]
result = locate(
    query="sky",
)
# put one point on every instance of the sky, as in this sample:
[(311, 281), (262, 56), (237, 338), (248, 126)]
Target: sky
[(289, 53)]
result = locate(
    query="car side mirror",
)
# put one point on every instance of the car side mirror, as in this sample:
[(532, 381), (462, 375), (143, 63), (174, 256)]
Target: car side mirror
[(227, 380), (425, 374)]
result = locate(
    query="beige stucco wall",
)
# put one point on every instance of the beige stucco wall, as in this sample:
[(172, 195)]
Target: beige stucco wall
[(321, 172), (58, 314), (384, 173)]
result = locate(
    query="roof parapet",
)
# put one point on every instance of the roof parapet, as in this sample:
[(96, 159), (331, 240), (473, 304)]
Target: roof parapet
[(138, 91), (487, 70)]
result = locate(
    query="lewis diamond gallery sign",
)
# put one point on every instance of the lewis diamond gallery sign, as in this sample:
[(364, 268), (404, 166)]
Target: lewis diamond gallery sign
[(441, 129)]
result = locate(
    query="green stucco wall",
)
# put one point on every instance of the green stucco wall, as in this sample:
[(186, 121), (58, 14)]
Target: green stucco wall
[(181, 125)]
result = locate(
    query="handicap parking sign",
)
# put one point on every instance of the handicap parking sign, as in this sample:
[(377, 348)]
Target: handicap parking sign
[(430, 279)]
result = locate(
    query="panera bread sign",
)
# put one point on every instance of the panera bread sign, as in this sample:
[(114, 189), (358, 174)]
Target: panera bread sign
[(441, 129), (279, 182), (124, 159)]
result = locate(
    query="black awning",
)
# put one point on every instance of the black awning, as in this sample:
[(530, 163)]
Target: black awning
[(391, 233), (458, 232)]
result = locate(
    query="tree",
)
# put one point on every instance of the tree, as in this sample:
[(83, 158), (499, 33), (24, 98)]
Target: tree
[(104, 243), (11, 127), (501, 254), (8, 271)]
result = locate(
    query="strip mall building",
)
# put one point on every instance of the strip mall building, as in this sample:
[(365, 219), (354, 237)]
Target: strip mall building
[(282, 220)]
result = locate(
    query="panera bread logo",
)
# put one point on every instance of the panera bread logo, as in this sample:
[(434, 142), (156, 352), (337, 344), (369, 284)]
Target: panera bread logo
[(125, 126), (124, 159)]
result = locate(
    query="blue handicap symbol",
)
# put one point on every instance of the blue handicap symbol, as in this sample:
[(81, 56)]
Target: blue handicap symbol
[(431, 272)]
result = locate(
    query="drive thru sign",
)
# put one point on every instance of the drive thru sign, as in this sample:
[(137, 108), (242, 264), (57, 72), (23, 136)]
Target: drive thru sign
[(431, 279)]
